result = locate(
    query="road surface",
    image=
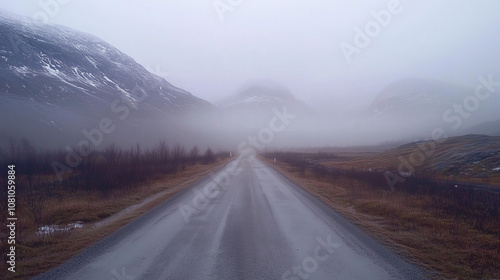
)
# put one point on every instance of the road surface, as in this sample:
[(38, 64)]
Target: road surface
[(246, 221)]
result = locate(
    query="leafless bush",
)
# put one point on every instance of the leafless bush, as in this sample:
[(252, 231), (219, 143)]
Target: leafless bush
[(194, 154), (178, 156), (163, 152), (112, 168), (209, 156), (34, 192)]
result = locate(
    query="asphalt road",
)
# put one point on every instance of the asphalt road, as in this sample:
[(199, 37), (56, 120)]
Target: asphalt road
[(244, 222)]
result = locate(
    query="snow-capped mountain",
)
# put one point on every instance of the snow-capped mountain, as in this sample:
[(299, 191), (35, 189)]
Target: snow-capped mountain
[(254, 107), (55, 78), (262, 95)]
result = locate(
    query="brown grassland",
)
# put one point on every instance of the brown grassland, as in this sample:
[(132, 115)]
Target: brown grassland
[(104, 204)]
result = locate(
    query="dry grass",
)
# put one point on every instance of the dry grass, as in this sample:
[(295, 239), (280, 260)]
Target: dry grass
[(408, 224), (36, 255)]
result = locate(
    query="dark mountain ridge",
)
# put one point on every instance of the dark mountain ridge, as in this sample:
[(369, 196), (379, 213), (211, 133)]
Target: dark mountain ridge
[(56, 80)]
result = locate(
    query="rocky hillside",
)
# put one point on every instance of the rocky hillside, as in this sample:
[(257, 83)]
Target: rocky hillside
[(469, 157)]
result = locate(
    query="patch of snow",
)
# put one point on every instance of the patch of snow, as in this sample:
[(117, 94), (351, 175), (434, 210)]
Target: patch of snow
[(496, 169), (21, 70), (127, 94), (92, 61), (405, 174), (124, 92), (102, 48), (51, 69), (84, 76), (81, 47), (55, 72), (108, 79), (57, 228)]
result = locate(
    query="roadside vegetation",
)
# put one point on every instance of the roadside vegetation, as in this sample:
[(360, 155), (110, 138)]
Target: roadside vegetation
[(104, 183), (449, 229)]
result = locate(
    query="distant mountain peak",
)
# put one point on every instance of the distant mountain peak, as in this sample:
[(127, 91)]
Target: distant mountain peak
[(260, 92), (420, 90), (417, 96)]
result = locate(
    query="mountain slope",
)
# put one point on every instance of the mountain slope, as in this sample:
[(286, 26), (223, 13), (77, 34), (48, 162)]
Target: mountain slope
[(476, 156), (491, 128), (55, 78), (425, 104), (256, 108), (469, 158), (257, 102), (414, 94)]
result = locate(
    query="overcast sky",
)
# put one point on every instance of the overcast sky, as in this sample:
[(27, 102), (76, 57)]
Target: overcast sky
[(211, 52)]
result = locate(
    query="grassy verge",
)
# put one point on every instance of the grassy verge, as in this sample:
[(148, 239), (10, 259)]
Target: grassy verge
[(411, 224), (102, 215)]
